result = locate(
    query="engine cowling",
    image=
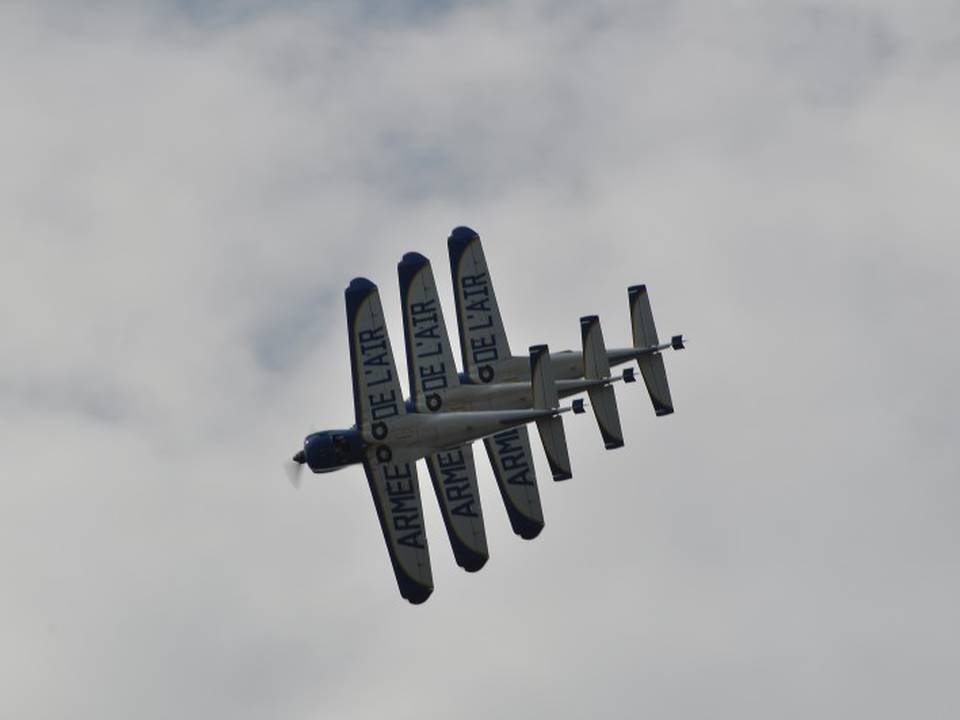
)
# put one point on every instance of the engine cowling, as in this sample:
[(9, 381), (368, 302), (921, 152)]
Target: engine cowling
[(332, 450)]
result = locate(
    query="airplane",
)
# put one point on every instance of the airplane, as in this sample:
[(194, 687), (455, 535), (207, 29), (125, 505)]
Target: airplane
[(388, 440), (483, 341), (437, 387)]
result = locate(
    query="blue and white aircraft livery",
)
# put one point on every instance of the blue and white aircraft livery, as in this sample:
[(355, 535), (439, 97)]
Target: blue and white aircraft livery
[(493, 399), (387, 440)]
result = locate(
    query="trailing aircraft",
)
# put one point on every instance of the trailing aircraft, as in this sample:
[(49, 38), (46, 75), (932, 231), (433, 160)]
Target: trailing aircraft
[(436, 387), (483, 341), (387, 440)]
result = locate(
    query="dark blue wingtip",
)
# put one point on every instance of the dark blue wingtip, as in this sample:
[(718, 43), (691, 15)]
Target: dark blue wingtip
[(357, 291), (409, 266), (457, 244), (360, 284), (407, 269), (661, 408), (636, 290), (416, 594), (526, 528), (589, 319), (460, 238), (414, 258), (462, 234), (470, 560), (610, 441)]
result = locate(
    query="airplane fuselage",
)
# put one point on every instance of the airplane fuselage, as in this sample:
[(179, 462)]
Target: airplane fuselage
[(417, 435), (469, 396), (567, 365)]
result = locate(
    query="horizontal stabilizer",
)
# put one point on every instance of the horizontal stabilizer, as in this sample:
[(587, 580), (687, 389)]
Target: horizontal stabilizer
[(641, 318), (596, 366), (603, 400), (645, 337), (544, 387), (554, 441), (545, 398), (655, 377)]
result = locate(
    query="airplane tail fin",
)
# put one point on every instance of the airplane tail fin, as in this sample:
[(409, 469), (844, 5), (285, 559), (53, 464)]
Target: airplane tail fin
[(645, 338), (596, 366), (545, 398)]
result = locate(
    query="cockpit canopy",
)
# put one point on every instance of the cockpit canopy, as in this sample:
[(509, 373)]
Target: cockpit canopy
[(333, 449)]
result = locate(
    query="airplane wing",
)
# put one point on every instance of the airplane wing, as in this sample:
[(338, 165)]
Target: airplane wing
[(483, 341), (376, 390), (645, 336), (391, 469), (396, 494), (454, 476), (596, 366), (430, 363), (512, 462), (432, 370)]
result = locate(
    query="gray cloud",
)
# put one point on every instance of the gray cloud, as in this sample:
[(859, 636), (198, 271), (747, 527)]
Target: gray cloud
[(187, 189)]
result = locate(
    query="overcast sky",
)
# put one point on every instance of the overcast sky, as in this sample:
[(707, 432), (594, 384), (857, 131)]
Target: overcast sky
[(187, 188)]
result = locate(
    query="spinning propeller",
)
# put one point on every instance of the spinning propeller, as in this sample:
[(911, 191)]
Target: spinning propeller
[(294, 468)]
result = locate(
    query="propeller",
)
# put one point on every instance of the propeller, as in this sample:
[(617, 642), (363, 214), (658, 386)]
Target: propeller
[(294, 468)]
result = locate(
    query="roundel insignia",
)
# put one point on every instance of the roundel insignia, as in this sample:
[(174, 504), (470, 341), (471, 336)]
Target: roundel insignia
[(486, 373), (433, 402), (384, 454), (379, 430)]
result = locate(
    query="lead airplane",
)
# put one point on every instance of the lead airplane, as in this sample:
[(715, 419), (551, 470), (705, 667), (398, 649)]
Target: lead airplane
[(436, 387), (387, 440)]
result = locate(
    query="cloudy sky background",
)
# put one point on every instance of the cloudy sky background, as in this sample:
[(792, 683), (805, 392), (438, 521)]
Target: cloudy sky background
[(188, 187)]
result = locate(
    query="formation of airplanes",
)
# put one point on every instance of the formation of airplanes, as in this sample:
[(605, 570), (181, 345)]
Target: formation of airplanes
[(495, 397)]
